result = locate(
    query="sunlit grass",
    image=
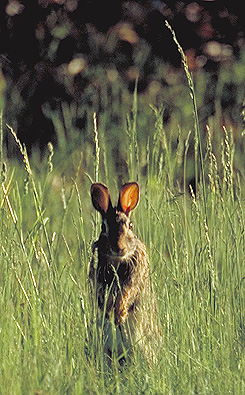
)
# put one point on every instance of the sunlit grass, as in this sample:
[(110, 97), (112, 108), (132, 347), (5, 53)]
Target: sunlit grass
[(49, 339)]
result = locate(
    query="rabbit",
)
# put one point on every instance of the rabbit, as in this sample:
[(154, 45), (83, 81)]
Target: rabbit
[(121, 278)]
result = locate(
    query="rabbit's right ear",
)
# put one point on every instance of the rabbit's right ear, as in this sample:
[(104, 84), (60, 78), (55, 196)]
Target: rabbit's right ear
[(100, 197), (128, 197)]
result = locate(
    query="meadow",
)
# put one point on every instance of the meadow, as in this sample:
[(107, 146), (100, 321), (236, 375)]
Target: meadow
[(195, 236)]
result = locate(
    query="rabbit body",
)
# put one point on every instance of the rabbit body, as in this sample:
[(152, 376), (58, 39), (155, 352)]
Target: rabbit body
[(121, 278)]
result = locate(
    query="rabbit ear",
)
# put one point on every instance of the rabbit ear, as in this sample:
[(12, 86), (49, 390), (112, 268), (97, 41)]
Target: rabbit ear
[(128, 197), (100, 197)]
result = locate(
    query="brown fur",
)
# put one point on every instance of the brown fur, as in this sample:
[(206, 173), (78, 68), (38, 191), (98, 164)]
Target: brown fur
[(121, 278), (126, 280)]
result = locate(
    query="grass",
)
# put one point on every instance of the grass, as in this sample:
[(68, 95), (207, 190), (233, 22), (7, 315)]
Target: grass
[(49, 341)]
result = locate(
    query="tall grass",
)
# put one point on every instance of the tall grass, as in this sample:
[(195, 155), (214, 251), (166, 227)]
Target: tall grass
[(49, 339)]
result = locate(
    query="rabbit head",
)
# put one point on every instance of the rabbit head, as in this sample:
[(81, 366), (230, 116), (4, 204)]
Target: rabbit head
[(117, 238)]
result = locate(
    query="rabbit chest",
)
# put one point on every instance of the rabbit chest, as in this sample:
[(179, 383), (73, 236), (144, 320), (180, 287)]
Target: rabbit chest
[(112, 278), (120, 283)]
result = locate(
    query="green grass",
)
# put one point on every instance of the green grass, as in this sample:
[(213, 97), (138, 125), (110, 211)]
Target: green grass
[(49, 341)]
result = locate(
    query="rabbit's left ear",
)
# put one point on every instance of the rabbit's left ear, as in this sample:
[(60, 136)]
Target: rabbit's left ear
[(128, 197)]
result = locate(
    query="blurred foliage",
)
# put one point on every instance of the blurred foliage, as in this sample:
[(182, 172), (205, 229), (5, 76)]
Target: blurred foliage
[(64, 59)]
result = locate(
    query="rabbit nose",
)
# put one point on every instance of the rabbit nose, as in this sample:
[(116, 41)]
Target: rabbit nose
[(117, 243)]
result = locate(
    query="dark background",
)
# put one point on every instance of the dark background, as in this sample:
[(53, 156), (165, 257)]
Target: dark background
[(39, 41)]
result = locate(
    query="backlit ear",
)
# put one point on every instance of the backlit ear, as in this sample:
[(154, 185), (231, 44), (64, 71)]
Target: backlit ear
[(128, 197), (100, 197)]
